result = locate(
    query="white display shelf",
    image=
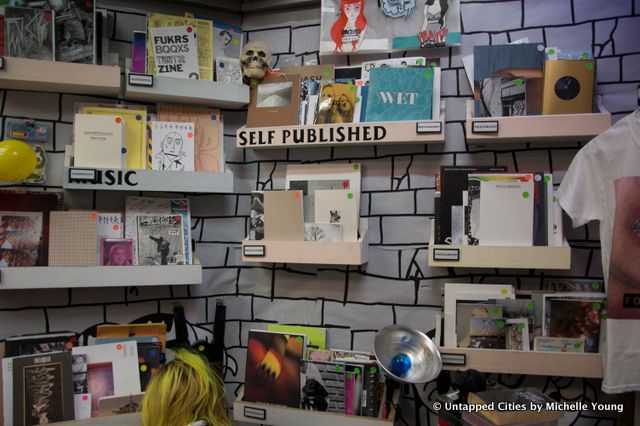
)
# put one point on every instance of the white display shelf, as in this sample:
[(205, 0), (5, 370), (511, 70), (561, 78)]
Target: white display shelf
[(39, 277), (517, 257), (143, 180), (563, 364), (186, 91), (132, 419), (318, 135), (278, 415), (309, 252), (535, 128), (64, 77)]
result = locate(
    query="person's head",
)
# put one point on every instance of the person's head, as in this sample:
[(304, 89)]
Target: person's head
[(184, 391), (351, 11), (118, 254), (328, 92), (226, 37), (172, 144)]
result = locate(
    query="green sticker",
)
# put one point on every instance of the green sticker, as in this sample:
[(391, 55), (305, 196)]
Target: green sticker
[(326, 73), (552, 51), (356, 166), (299, 339), (521, 325), (433, 64), (555, 199), (496, 311), (253, 82), (547, 178), (427, 74), (420, 61), (585, 55), (373, 370), (571, 57), (518, 81), (500, 324), (357, 371), (595, 285), (597, 306), (588, 66), (349, 376), (577, 345), (530, 306), (525, 194), (352, 88), (350, 196), (357, 99), (603, 316), (338, 369)]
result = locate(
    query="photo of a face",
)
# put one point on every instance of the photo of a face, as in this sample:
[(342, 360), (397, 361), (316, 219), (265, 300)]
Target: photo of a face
[(116, 252), (274, 95)]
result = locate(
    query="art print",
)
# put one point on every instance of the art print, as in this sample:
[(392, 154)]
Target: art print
[(29, 33), (274, 95), (172, 146), (43, 394), (368, 26), (227, 41), (160, 240)]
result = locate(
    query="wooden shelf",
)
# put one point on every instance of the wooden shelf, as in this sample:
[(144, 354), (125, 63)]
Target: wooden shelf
[(64, 77), (374, 133), (309, 252), (185, 91), (524, 257), (143, 180), (535, 128), (132, 419), (278, 415), (99, 276), (562, 364)]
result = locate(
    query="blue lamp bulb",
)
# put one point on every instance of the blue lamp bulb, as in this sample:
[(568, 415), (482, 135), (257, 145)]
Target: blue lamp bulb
[(400, 364)]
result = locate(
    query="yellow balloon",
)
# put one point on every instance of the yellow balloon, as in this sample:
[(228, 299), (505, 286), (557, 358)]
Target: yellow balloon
[(17, 161)]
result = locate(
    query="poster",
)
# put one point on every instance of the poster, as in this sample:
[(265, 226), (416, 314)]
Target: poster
[(368, 26), (176, 52)]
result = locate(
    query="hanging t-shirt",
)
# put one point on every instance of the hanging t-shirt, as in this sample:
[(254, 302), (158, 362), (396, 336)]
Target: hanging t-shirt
[(603, 183)]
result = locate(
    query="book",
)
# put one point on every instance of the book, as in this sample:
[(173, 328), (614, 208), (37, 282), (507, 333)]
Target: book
[(227, 41), (34, 201), (116, 252), (464, 313), (272, 373), (20, 238), (308, 89), (228, 70), (527, 397), (316, 336), (548, 193), (353, 385), (139, 52), (175, 51), (322, 386), (540, 228), (371, 384), (574, 315), (29, 33), (160, 240), (338, 207), (150, 355), (74, 30), (454, 180), (73, 238), (112, 369), (367, 66), (311, 72), (135, 120), (156, 331), (42, 389), (135, 206), (98, 141), (172, 146), (208, 148), (39, 344), (487, 333), (204, 36), (336, 103), (397, 94), (283, 217), (256, 216), (563, 285), (558, 344), (274, 102), (517, 334), (110, 225)]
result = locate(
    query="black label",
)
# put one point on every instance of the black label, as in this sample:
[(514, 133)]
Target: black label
[(109, 177), (631, 300)]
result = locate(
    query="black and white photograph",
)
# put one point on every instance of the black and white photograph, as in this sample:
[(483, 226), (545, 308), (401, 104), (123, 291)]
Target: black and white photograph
[(274, 95), (79, 370), (256, 224), (160, 240), (487, 333), (323, 232), (464, 313)]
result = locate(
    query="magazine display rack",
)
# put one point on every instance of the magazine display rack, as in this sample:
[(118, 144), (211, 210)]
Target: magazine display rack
[(309, 252), (517, 257), (143, 180), (562, 364), (153, 88), (535, 128), (62, 77), (318, 135), (38, 277), (278, 415), (132, 419)]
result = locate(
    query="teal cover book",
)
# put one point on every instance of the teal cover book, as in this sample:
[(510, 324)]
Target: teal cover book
[(400, 94)]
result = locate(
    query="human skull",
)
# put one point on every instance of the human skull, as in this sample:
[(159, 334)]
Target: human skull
[(256, 60)]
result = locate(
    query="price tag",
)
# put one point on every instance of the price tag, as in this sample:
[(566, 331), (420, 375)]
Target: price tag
[(145, 80), (254, 251), (428, 127), (446, 254), (485, 127)]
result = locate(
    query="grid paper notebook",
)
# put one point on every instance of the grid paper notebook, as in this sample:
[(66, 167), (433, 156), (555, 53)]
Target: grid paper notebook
[(73, 238)]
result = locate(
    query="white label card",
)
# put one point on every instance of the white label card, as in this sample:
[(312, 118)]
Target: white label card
[(254, 251), (485, 127)]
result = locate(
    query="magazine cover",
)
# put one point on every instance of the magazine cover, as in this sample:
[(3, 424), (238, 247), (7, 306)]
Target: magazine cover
[(322, 386), (160, 240), (367, 26), (29, 33), (227, 41), (172, 146), (116, 252), (574, 317), (272, 374), (20, 238), (42, 389), (39, 344), (336, 103)]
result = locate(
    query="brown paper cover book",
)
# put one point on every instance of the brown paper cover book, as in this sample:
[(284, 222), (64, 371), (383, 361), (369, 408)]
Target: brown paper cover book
[(283, 220), (274, 102), (73, 238)]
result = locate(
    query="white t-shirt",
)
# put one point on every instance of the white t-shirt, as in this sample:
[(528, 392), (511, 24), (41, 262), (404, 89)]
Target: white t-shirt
[(603, 183)]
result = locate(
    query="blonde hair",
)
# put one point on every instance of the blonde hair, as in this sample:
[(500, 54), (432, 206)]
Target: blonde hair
[(184, 391)]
